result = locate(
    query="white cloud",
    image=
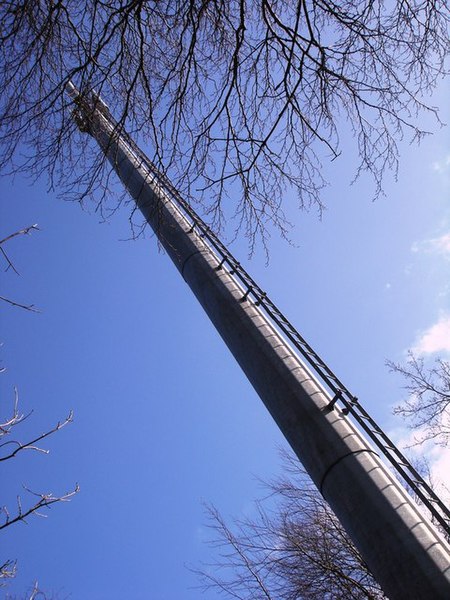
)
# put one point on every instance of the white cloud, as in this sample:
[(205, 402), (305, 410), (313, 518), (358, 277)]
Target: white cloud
[(441, 166), (436, 338), (439, 245)]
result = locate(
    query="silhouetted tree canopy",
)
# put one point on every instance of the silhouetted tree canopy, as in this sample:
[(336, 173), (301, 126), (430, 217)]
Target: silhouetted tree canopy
[(293, 549), (230, 97)]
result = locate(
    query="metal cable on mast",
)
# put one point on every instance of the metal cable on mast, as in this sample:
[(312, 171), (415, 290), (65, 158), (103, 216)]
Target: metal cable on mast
[(315, 411)]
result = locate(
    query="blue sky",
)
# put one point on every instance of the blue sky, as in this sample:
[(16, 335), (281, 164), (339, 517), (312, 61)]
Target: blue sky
[(164, 419)]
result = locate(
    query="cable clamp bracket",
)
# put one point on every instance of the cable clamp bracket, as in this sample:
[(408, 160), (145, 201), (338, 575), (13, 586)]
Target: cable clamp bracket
[(220, 265), (245, 296), (337, 396)]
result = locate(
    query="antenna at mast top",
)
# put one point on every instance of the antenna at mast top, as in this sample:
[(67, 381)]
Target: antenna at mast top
[(86, 105)]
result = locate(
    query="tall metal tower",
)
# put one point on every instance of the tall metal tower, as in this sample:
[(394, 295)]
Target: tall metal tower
[(337, 441)]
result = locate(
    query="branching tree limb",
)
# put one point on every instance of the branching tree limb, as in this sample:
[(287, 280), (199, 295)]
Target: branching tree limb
[(43, 501), (36, 593), (428, 406), (9, 449), (10, 265), (233, 99), (8, 570), (294, 548)]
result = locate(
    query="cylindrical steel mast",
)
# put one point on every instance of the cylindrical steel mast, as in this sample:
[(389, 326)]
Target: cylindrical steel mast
[(404, 551)]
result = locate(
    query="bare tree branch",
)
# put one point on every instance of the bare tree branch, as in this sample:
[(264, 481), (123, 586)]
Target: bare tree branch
[(44, 501), (40, 501), (29, 307), (293, 548), (31, 444), (35, 593), (25, 231), (10, 265), (10, 448), (427, 409), (8, 570), (232, 99)]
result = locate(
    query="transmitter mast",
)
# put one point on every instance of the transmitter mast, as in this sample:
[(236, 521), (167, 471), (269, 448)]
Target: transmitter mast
[(336, 440)]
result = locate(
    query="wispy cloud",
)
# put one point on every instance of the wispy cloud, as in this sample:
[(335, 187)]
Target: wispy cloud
[(435, 339), (439, 245), (442, 166)]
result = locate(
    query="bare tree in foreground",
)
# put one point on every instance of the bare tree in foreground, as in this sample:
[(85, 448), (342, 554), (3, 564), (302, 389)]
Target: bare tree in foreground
[(36, 593), (36, 502), (231, 98), (294, 549), (10, 264), (11, 446), (428, 406)]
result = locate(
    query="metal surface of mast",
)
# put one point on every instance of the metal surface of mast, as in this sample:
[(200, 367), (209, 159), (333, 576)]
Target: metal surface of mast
[(321, 420)]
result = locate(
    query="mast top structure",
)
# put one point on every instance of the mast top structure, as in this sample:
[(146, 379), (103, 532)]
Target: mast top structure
[(325, 424)]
